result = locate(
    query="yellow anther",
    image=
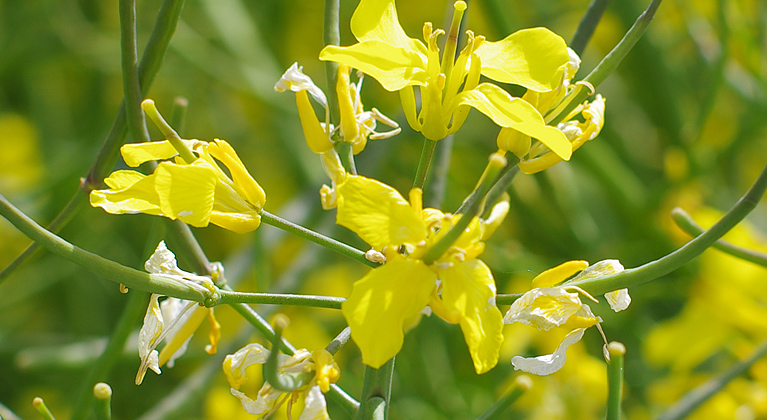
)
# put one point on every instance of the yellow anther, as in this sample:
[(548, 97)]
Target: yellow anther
[(346, 99)]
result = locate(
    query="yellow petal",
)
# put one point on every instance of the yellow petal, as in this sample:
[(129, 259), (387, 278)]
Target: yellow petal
[(183, 332), (469, 289), (246, 186), (515, 113), (376, 20), (131, 192), (380, 303), (378, 213), (237, 222), (186, 191), (393, 67), (534, 58), (134, 154), (559, 273)]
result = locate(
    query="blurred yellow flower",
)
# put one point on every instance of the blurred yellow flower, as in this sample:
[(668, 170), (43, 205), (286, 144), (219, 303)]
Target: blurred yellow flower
[(197, 193), (326, 372), (533, 58), (458, 287)]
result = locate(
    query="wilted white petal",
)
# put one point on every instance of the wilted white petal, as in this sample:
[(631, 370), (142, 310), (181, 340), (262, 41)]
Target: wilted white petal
[(599, 269), (573, 64), (618, 299), (315, 407), (266, 400), (163, 262), (235, 364), (172, 308), (549, 363), (147, 339), (544, 308), (295, 80)]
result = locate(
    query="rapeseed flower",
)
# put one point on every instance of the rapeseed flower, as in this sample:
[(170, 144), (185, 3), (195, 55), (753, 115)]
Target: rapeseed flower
[(326, 372), (458, 287), (197, 193), (532, 58)]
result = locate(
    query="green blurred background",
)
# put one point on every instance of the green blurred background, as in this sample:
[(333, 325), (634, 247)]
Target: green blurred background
[(685, 126)]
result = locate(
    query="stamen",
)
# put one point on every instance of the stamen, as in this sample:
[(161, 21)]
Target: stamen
[(581, 291)]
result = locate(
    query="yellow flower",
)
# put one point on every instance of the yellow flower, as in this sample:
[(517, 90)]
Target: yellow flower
[(183, 317), (458, 287), (357, 125), (537, 157), (197, 193), (533, 58), (547, 306), (268, 399)]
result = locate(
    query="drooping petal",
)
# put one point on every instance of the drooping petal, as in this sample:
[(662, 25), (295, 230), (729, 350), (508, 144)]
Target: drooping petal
[(315, 407), (392, 66), (186, 191), (377, 308), (515, 113), (295, 80), (376, 20), (469, 289), (549, 363), (497, 215), (246, 186), (130, 192), (177, 338), (236, 221), (544, 308), (264, 403), (534, 58), (147, 339), (618, 299), (236, 363), (378, 213)]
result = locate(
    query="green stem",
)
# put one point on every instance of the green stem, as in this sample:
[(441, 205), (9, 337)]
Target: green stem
[(170, 134), (695, 398), (317, 238), (609, 63), (521, 384), (41, 408), (332, 36), (436, 192), (178, 114), (330, 302), (129, 59), (376, 392), (130, 277), (687, 224), (133, 312), (151, 60), (346, 155), (427, 153), (473, 207), (103, 403), (341, 339), (284, 382), (587, 25), (616, 351), (683, 255)]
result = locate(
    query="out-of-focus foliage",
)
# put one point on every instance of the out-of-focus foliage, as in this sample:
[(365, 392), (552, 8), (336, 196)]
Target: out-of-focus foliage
[(685, 126)]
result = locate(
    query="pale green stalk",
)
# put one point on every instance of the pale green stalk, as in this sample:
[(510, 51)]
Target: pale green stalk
[(332, 36), (330, 302), (474, 206), (422, 171), (521, 384), (376, 392), (616, 351), (41, 408), (103, 401), (588, 24), (687, 224), (129, 59), (608, 64)]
